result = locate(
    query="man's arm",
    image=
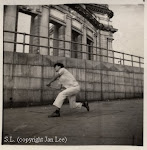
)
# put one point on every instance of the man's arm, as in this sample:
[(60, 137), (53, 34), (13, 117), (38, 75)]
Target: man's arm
[(54, 79)]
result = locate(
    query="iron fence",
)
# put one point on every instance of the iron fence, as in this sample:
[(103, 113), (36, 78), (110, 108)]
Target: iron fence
[(75, 50)]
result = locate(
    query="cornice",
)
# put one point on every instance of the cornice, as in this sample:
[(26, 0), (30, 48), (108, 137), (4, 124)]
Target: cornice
[(88, 15), (108, 28), (103, 9), (83, 12)]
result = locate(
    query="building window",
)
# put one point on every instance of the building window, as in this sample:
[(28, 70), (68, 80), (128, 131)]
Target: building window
[(51, 36), (23, 27), (57, 39)]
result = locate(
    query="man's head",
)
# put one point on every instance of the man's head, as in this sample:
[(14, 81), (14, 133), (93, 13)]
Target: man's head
[(58, 66)]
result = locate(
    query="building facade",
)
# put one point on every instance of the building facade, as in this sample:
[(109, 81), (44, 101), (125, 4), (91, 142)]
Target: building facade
[(77, 31), (78, 35)]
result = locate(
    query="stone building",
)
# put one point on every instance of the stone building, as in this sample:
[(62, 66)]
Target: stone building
[(78, 35), (89, 26)]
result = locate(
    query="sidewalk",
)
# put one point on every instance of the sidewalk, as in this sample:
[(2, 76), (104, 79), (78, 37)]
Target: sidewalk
[(107, 123)]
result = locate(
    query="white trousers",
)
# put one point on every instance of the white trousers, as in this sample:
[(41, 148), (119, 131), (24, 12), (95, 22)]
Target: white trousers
[(71, 94)]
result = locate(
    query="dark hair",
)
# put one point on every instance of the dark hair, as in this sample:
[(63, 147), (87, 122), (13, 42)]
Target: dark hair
[(59, 64)]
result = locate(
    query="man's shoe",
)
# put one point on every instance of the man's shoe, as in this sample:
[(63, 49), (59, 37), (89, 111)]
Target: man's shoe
[(85, 104), (55, 114)]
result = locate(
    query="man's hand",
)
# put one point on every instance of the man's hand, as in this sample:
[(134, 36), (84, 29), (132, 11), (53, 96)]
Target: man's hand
[(48, 84), (62, 87), (55, 78)]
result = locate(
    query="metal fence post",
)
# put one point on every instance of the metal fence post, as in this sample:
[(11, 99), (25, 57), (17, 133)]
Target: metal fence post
[(139, 62), (132, 60), (24, 37), (113, 57), (123, 59)]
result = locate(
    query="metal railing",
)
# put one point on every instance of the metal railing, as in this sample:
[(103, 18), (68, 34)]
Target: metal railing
[(75, 50)]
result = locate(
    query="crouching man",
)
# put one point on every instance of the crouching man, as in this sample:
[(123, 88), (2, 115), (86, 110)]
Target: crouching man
[(72, 88)]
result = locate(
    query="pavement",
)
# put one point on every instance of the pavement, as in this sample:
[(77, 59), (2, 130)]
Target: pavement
[(107, 123)]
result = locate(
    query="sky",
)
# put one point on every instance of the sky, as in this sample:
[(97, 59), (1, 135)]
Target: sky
[(129, 20)]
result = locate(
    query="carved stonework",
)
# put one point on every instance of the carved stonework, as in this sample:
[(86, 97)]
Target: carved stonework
[(103, 9), (57, 14), (91, 17), (30, 9)]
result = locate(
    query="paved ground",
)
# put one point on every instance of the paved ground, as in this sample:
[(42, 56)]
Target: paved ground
[(107, 123)]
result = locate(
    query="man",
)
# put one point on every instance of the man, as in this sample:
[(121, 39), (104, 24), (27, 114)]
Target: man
[(71, 86)]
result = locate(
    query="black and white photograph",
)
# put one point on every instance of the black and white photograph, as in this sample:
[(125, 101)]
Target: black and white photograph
[(73, 74)]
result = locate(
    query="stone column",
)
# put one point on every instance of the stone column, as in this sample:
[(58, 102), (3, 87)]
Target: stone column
[(34, 30), (51, 43), (44, 30), (79, 46), (95, 47), (10, 22), (98, 45), (84, 42), (62, 42), (68, 36), (110, 43), (110, 53), (40, 27), (104, 47)]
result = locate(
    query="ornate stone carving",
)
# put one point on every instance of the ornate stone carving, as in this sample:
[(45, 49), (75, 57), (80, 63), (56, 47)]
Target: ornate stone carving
[(100, 9), (30, 9), (91, 17)]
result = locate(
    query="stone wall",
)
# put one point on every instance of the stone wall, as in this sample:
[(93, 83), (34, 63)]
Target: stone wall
[(26, 75)]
